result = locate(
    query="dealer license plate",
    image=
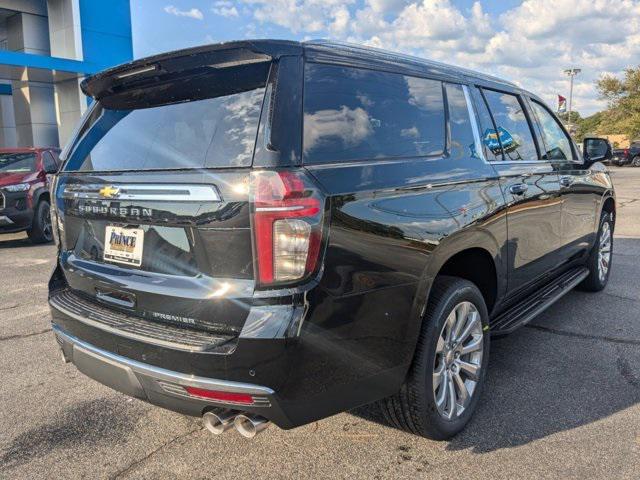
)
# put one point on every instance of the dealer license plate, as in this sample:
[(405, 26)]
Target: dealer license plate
[(123, 245)]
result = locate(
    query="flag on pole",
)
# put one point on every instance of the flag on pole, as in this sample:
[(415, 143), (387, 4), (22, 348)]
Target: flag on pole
[(562, 104)]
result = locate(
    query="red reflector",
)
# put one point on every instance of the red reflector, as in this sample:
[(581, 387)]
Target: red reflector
[(220, 396)]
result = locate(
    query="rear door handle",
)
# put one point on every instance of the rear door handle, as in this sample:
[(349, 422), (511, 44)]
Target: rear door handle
[(518, 188), (566, 181)]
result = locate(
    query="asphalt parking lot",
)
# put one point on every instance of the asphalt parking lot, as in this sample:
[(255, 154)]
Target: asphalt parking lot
[(562, 399)]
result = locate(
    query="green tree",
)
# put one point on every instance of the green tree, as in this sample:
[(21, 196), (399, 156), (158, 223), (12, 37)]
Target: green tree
[(591, 126), (575, 117), (623, 97)]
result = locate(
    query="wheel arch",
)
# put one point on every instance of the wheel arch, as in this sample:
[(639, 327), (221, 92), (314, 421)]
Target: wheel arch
[(477, 266), (40, 194), (609, 205), (469, 255)]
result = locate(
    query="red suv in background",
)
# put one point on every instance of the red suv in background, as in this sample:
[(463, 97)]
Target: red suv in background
[(24, 191)]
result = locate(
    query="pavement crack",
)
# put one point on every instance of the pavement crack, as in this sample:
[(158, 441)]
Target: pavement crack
[(24, 335), (627, 372), (621, 297), (586, 336), (9, 307), (134, 464)]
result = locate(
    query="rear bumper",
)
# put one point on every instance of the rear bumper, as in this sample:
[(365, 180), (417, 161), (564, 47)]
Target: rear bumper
[(160, 386), (619, 161), (11, 221), (305, 367)]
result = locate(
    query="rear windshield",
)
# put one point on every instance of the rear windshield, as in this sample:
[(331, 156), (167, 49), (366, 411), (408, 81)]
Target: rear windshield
[(17, 162), (218, 131)]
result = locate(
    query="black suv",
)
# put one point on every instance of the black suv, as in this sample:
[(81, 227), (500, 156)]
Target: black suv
[(271, 231)]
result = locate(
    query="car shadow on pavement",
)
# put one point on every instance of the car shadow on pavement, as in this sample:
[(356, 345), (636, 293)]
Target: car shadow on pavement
[(19, 242), (576, 364), (538, 385)]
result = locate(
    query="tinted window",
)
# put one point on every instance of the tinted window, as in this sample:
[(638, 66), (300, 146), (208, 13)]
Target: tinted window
[(462, 143), (17, 162), (557, 145), (354, 114), (488, 135), (213, 132), (49, 163), (513, 132)]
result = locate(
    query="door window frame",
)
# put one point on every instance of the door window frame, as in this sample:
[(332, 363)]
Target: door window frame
[(525, 108), (575, 158)]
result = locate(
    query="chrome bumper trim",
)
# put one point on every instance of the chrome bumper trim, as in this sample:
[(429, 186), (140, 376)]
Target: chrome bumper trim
[(157, 373)]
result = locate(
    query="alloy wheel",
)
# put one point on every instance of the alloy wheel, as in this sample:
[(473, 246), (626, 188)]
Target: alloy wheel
[(458, 360), (47, 229), (604, 251)]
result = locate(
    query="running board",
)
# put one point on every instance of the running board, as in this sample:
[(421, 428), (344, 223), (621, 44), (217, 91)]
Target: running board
[(525, 311)]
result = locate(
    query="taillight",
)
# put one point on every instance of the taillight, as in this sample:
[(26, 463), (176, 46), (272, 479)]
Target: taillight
[(53, 212), (287, 223), (626, 152)]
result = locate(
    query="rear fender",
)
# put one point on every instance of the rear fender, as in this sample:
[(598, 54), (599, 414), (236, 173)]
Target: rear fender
[(476, 237)]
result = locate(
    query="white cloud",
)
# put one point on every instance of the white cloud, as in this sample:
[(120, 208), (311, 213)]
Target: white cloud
[(340, 22), (530, 44), (386, 6), (192, 13), (350, 126), (298, 16), (224, 8)]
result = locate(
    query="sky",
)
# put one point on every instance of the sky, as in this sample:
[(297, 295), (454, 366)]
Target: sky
[(528, 42)]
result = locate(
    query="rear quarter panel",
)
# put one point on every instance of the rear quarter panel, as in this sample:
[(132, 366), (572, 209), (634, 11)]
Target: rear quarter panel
[(393, 225)]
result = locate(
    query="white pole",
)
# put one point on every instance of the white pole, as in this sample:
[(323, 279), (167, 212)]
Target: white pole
[(570, 102), (572, 72)]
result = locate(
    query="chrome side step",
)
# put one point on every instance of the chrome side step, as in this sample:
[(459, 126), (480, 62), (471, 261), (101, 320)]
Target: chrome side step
[(525, 311)]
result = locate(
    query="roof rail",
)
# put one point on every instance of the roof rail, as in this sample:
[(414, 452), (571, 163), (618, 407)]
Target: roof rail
[(381, 53)]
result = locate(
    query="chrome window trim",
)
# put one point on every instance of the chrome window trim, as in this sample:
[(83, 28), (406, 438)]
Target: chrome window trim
[(474, 124), (478, 141)]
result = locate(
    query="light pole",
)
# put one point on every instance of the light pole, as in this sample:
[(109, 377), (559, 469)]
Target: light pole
[(572, 72)]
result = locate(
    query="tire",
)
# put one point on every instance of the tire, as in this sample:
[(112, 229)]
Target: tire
[(41, 230), (597, 280), (636, 161), (414, 408)]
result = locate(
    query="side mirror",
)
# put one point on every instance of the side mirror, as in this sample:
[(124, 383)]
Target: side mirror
[(596, 150)]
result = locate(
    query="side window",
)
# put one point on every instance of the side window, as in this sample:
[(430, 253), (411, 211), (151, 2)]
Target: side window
[(557, 144), (48, 161), (513, 132), (56, 157), (462, 143), (488, 135), (355, 114)]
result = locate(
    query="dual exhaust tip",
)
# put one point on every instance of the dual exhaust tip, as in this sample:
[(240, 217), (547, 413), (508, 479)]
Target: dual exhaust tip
[(247, 424)]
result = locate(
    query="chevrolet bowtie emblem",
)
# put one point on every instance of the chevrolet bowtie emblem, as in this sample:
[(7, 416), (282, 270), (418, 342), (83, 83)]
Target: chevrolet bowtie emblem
[(109, 192)]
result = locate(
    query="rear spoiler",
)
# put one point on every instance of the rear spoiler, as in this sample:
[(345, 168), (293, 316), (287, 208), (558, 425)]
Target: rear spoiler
[(185, 63)]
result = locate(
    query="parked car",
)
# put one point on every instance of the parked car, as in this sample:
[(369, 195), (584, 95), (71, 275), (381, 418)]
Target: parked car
[(627, 156), (286, 231), (24, 191)]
